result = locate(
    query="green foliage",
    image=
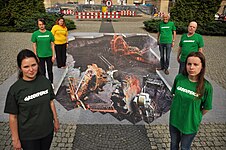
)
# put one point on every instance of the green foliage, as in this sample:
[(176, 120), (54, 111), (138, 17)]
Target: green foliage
[(212, 28), (29, 23), (2, 4), (151, 25), (70, 24), (22, 15), (201, 11)]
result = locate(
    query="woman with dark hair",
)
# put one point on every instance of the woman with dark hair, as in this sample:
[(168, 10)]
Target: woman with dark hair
[(192, 99), (43, 46), (60, 34), (29, 103)]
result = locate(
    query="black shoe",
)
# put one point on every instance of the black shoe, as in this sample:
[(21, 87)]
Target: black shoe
[(159, 69), (166, 71)]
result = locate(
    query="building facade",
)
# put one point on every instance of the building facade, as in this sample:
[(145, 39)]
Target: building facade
[(161, 5)]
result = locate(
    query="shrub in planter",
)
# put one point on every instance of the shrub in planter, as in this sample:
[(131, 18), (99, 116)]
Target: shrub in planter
[(151, 25), (29, 23), (211, 28)]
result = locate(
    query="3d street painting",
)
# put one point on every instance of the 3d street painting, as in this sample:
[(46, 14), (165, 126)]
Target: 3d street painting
[(116, 75)]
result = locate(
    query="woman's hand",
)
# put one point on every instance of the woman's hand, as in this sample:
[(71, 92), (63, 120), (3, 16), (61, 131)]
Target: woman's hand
[(14, 131), (56, 125), (16, 144)]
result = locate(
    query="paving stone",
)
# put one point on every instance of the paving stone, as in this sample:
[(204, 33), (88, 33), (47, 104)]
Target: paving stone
[(61, 145), (64, 140)]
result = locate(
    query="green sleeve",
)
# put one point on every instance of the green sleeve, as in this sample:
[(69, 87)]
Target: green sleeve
[(180, 44), (52, 37), (208, 96), (174, 85), (33, 38), (201, 42), (174, 27)]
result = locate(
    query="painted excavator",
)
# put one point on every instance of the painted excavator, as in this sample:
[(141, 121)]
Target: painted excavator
[(119, 45)]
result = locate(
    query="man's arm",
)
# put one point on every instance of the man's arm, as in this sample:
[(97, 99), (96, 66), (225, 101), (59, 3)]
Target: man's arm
[(204, 111), (201, 49), (53, 51), (158, 34), (178, 54), (34, 48), (174, 37)]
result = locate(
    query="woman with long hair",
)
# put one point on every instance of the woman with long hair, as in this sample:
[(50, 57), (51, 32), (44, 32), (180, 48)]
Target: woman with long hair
[(60, 34), (192, 99), (29, 103)]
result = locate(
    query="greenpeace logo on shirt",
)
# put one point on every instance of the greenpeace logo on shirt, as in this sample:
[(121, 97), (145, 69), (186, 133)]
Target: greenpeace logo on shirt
[(165, 27), (43, 36), (189, 41), (187, 91), (33, 96)]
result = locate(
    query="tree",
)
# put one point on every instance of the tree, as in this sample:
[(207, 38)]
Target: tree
[(22, 15), (201, 11), (15, 11), (3, 3)]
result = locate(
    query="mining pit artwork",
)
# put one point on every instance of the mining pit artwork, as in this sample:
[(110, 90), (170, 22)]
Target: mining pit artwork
[(116, 75)]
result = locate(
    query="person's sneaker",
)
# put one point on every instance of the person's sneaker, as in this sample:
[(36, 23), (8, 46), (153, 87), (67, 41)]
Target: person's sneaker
[(166, 72), (159, 68), (52, 86)]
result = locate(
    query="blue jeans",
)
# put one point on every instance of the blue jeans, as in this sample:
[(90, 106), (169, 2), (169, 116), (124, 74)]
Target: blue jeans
[(165, 50), (181, 67), (179, 138)]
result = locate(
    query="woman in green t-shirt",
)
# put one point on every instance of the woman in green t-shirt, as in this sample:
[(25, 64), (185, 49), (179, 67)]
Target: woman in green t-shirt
[(192, 99)]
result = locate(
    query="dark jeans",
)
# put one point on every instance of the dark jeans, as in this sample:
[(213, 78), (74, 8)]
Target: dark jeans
[(49, 63), (60, 55), (181, 67), (40, 144), (165, 50), (178, 138)]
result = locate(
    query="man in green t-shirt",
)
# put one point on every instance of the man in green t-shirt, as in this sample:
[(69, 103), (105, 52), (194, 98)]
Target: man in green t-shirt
[(166, 36), (190, 42), (43, 46)]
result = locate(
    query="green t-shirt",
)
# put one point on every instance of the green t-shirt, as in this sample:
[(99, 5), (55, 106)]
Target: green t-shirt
[(43, 43), (166, 32), (30, 101), (190, 44), (186, 108)]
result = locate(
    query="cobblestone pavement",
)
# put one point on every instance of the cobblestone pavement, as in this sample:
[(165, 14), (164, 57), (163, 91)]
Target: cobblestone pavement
[(123, 137), (101, 137)]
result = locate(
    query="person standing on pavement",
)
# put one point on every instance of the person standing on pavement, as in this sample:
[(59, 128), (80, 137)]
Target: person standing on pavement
[(60, 34), (189, 42), (29, 103), (43, 46), (192, 98), (165, 37)]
